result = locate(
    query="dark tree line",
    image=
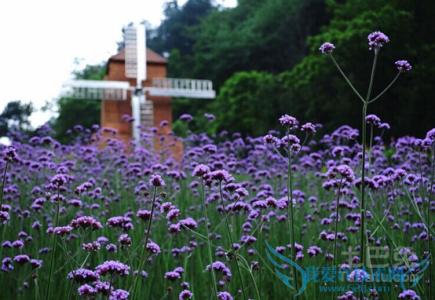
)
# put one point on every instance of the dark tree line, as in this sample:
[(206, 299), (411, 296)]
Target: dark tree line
[(263, 57)]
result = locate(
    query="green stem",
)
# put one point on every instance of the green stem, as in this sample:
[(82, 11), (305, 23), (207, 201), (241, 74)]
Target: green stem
[(231, 239), (429, 229), (3, 184), (53, 247), (210, 255), (364, 133), (363, 205), (1, 205), (386, 89), (249, 269), (335, 233), (347, 79), (147, 235), (370, 145), (291, 217), (372, 76)]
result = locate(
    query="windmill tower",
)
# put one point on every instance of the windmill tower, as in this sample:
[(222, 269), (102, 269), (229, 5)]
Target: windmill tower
[(136, 84)]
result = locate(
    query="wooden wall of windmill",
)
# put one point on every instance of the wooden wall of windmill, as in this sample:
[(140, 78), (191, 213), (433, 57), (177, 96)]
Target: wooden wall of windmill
[(153, 112)]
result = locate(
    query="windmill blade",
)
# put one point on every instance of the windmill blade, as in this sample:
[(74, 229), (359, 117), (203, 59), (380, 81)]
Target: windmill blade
[(135, 107), (135, 57), (96, 89), (187, 88)]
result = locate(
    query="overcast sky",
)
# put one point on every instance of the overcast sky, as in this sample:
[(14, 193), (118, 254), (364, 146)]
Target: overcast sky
[(41, 39)]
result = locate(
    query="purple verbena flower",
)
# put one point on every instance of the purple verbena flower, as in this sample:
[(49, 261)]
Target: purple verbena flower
[(409, 294), (327, 48), (112, 267), (403, 66), (157, 180), (377, 39)]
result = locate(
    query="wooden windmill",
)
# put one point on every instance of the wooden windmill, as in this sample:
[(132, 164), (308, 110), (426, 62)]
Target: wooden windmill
[(136, 84)]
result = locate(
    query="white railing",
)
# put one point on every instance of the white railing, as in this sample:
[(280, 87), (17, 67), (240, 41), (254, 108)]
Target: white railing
[(118, 90), (174, 87), (96, 89)]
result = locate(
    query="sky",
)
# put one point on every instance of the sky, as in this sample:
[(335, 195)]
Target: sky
[(43, 41)]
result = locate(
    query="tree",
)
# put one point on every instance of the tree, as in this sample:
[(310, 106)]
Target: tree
[(315, 91), (15, 117), (246, 103), (85, 112)]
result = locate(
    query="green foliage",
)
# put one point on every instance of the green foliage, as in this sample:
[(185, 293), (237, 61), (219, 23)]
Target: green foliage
[(246, 103), (309, 85), (15, 117), (214, 42), (317, 92), (85, 112), (256, 35)]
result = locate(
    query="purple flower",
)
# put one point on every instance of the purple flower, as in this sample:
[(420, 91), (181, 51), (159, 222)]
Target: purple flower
[(200, 170), (209, 117), (86, 290), (10, 154), (153, 247), (347, 296), (373, 120), (36, 263), (377, 39), (309, 128), (61, 230), (186, 118), (189, 223), (21, 259), (327, 48), (172, 275), (409, 294), (143, 214), (83, 275), (4, 217), (384, 126), (224, 296), (290, 139), (221, 175), (288, 121), (120, 221), (111, 248), (18, 244), (86, 222), (403, 66), (124, 239), (59, 180), (185, 294), (220, 267), (7, 264), (157, 180), (102, 287), (113, 267), (358, 275), (93, 246), (119, 295)]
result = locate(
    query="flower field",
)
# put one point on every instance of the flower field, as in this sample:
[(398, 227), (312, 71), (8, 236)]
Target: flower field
[(271, 217)]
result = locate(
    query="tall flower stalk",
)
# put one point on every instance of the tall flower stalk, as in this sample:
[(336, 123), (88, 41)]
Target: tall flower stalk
[(57, 181), (155, 181), (3, 185), (291, 216), (292, 145), (430, 138), (200, 171), (231, 240), (9, 156), (376, 40)]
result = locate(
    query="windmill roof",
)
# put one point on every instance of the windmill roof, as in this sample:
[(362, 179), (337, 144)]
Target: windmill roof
[(152, 57)]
